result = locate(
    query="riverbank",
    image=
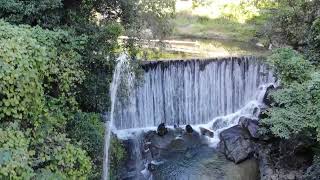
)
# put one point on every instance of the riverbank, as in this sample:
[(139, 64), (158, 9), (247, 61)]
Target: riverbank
[(208, 30)]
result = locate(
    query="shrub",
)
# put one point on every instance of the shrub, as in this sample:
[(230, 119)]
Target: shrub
[(314, 43), (39, 70), (240, 12), (290, 66), (35, 64), (117, 156), (295, 106), (88, 129), (15, 157)]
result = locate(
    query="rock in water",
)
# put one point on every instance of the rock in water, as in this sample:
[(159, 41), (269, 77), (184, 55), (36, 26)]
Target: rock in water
[(251, 125), (151, 167), (219, 123), (162, 130), (206, 132), (235, 144), (177, 145), (189, 129)]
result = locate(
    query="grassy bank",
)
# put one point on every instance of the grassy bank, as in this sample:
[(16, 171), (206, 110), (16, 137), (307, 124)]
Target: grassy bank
[(214, 29), (202, 27)]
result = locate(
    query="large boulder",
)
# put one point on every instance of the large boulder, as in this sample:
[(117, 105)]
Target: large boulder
[(285, 159), (235, 143), (313, 172), (299, 147), (251, 125), (162, 130), (157, 143), (189, 129)]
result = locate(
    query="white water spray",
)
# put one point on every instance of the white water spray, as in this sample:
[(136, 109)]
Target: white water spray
[(121, 73)]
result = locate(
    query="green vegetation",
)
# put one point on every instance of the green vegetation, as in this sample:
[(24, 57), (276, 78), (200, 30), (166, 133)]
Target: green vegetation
[(39, 71), (191, 26), (56, 63), (117, 155), (88, 129), (57, 59), (294, 108), (222, 28), (291, 22), (213, 19), (295, 105)]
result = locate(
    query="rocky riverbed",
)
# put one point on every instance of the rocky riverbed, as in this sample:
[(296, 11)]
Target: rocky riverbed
[(279, 159), (243, 153), (182, 154)]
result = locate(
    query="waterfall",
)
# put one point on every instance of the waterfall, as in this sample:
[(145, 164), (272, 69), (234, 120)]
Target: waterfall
[(121, 75), (191, 92), (211, 94)]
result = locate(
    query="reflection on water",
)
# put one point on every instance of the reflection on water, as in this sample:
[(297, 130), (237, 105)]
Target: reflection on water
[(200, 48), (204, 163)]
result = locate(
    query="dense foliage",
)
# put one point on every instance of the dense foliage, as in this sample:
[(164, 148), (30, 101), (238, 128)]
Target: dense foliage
[(291, 22), (117, 156), (56, 64), (294, 110), (294, 105), (281, 22), (290, 66), (87, 128), (240, 12), (38, 71), (32, 12)]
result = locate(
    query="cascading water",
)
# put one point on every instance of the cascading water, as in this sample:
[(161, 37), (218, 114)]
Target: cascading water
[(192, 92), (211, 93), (121, 73)]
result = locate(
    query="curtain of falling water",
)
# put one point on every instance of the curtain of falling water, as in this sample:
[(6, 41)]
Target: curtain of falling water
[(191, 92), (122, 74)]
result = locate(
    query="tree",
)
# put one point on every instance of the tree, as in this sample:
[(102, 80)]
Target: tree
[(291, 21)]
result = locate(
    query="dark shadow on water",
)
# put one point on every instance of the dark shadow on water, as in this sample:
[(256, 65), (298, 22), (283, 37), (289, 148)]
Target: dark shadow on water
[(204, 163)]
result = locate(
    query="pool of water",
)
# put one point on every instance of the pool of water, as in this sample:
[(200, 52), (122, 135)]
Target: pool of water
[(204, 163)]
